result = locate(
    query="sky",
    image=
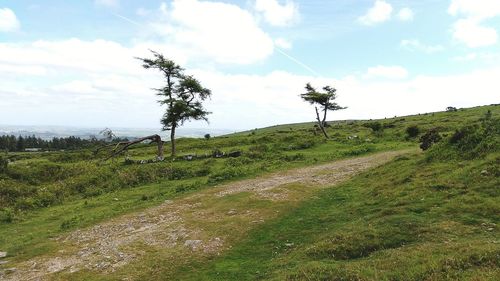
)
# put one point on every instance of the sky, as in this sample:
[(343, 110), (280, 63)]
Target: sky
[(73, 63)]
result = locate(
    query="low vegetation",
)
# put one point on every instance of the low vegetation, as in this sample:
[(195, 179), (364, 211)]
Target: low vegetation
[(431, 216), (424, 216)]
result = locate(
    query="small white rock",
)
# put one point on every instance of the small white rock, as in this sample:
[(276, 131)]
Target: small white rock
[(193, 244)]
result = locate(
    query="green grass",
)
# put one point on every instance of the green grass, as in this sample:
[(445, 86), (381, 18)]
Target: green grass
[(409, 220), (421, 217)]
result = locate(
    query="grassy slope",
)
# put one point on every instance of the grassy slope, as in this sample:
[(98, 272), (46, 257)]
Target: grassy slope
[(412, 219), (27, 236)]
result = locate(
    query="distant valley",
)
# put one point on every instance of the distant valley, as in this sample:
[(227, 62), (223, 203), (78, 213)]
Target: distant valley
[(49, 132)]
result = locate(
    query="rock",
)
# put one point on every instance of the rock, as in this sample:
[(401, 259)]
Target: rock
[(3, 254), (484, 173), (3, 262), (232, 212), (234, 154), (189, 157), (193, 244), (115, 199)]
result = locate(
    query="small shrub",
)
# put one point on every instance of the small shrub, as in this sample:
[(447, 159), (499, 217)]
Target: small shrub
[(187, 187), (412, 131), (26, 204), (451, 109), (6, 215), (469, 142), (476, 141), (202, 172), (226, 174), (70, 223), (3, 164), (375, 126), (176, 173), (358, 150), (259, 148), (429, 138), (294, 157)]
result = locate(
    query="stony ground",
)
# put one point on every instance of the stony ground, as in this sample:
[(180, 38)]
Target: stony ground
[(203, 224)]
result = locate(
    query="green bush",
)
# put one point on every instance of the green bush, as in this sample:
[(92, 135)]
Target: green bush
[(412, 131), (71, 223), (3, 164), (470, 142), (293, 157), (428, 139), (375, 126), (6, 215), (226, 174)]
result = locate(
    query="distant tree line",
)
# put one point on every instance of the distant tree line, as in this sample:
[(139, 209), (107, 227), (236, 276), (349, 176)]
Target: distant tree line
[(21, 143)]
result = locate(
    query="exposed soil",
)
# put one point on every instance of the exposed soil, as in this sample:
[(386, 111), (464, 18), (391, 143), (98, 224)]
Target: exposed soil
[(108, 246)]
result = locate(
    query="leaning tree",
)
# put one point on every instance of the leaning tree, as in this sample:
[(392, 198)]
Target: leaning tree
[(182, 94), (325, 100)]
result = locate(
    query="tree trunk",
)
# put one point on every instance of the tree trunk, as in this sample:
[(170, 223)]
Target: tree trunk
[(125, 145), (320, 123), (160, 149), (172, 140), (324, 117)]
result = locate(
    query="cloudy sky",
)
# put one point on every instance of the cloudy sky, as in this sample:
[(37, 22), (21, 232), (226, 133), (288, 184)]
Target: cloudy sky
[(72, 63)]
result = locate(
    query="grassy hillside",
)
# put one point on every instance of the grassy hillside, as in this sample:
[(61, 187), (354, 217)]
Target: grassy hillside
[(430, 216), (438, 211)]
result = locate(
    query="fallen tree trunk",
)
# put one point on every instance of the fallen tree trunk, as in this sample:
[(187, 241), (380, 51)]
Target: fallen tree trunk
[(123, 146)]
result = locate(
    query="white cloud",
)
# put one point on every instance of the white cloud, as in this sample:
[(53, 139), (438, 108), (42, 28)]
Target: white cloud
[(277, 14), (477, 9), (473, 34), (98, 83), (222, 32), (380, 12), (389, 72), (283, 43), (489, 58), (8, 20), (143, 12), (416, 45), (405, 14), (15, 70), (73, 55), (467, 57), (108, 3), (470, 29), (163, 9)]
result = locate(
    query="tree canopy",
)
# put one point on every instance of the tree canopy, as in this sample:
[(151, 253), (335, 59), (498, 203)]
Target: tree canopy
[(325, 100), (183, 95)]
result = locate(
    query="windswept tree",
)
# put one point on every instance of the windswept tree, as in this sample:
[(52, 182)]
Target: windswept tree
[(108, 134), (324, 100), (183, 95)]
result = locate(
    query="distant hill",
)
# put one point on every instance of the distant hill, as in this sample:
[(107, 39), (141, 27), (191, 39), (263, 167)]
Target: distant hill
[(49, 132)]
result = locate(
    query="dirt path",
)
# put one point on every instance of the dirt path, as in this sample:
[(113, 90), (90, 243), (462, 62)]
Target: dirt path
[(204, 223)]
